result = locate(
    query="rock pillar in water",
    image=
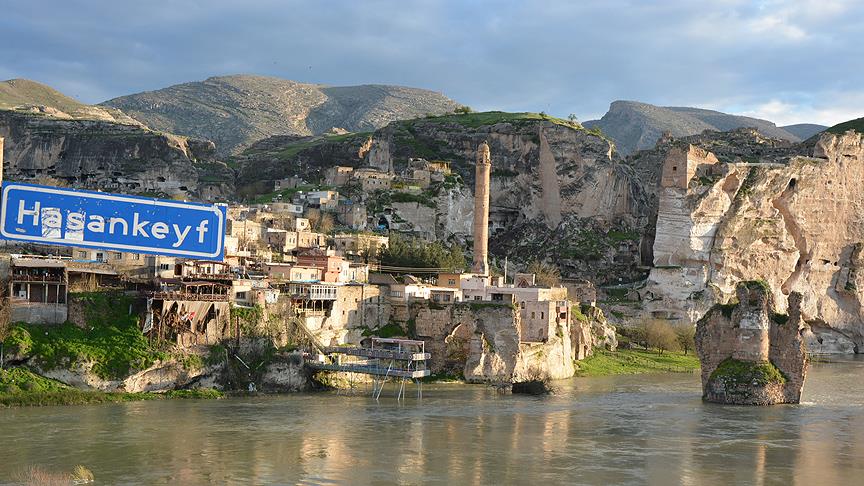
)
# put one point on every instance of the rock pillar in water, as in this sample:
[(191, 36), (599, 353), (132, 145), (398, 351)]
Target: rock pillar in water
[(751, 355), (481, 211)]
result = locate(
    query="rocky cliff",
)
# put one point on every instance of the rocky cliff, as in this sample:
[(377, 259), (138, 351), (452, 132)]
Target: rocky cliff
[(44, 145), (480, 342), (741, 206), (637, 126), (558, 190), (235, 111)]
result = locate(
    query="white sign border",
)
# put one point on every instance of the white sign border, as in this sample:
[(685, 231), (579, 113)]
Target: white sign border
[(9, 186)]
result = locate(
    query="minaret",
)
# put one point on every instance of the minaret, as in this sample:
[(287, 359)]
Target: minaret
[(481, 211)]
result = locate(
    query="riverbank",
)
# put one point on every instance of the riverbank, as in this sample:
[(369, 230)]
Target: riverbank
[(636, 361), (20, 387)]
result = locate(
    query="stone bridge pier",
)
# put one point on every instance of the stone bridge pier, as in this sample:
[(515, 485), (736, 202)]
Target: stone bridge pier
[(750, 354)]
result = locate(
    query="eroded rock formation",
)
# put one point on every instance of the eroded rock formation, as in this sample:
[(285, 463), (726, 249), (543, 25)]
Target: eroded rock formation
[(750, 354), (739, 206), (111, 156)]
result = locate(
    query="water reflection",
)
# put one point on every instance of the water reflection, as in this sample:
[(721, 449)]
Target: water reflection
[(620, 430)]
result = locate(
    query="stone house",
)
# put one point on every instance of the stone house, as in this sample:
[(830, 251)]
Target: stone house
[(338, 176), (352, 215), (356, 243), (333, 268), (308, 239), (372, 180), (288, 183), (245, 230)]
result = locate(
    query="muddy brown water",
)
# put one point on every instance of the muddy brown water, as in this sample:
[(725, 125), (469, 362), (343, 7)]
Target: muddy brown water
[(640, 429)]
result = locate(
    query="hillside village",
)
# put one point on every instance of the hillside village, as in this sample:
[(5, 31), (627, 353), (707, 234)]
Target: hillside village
[(306, 270)]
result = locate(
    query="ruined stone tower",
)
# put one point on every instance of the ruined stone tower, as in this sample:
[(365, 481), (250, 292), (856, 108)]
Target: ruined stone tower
[(481, 210), (751, 355)]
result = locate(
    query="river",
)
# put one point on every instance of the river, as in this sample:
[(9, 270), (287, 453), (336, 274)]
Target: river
[(637, 429)]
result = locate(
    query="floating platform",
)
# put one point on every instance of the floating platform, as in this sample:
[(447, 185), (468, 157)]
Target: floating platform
[(397, 359)]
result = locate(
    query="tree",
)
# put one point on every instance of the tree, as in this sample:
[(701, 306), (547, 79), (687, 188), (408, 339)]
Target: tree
[(326, 223), (546, 275), (417, 253), (686, 336), (572, 117), (660, 336), (463, 109), (314, 217)]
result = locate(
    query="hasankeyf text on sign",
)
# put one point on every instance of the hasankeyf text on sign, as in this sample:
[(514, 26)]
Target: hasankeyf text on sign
[(71, 217)]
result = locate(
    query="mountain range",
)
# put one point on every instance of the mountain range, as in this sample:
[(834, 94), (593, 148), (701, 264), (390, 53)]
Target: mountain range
[(235, 111), (633, 125)]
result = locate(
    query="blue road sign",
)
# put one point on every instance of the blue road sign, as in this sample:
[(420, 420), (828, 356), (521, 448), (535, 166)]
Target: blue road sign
[(71, 217)]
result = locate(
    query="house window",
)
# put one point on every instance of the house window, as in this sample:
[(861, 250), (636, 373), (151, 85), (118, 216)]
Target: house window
[(118, 255), (542, 315), (100, 256), (451, 282), (532, 315), (241, 295), (136, 256), (446, 297), (674, 168), (476, 297), (164, 266), (82, 254)]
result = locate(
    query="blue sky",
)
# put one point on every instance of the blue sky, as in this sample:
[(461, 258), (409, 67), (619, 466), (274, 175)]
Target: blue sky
[(787, 61)]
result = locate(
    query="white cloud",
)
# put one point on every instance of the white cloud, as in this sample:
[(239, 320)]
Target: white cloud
[(830, 109)]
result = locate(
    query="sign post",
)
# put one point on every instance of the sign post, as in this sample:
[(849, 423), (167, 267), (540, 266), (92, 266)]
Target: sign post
[(89, 219)]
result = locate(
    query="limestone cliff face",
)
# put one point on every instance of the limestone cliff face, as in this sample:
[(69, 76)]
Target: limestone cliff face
[(558, 191), (788, 215), (591, 331), (110, 156)]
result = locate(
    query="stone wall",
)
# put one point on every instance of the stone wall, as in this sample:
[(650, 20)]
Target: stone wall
[(481, 342), (750, 354), (357, 309)]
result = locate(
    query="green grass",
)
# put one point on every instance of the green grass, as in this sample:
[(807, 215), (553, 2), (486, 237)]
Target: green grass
[(841, 128), (72, 396), (404, 197), (292, 150), (628, 362), (22, 380), (734, 372), (111, 339), (480, 119), (22, 387), (387, 331)]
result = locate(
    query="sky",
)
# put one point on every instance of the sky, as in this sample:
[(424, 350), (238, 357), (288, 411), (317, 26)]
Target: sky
[(789, 61)]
